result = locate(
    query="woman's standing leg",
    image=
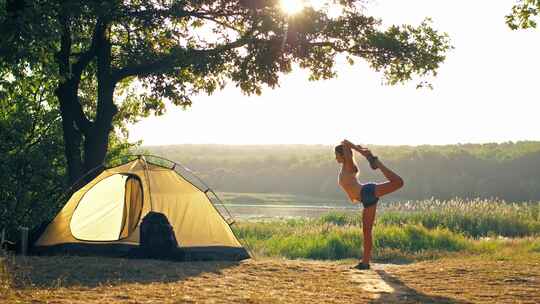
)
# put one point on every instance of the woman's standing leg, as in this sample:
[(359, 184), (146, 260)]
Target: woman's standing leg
[(368, 217)]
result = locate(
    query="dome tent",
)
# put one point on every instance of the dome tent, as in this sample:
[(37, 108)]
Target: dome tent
[(104, 216)]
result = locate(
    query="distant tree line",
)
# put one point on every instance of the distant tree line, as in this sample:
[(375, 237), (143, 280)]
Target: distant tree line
[(509, 171)]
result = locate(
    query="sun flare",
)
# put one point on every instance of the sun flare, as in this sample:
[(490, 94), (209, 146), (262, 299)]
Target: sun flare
[(292, 7)]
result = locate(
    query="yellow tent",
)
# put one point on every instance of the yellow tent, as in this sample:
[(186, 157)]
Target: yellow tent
[(104, 216)]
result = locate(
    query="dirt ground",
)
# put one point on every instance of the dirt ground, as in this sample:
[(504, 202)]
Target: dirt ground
[(102, 280)]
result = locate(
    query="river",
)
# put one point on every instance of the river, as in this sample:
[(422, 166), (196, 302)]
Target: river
[(266, 211)]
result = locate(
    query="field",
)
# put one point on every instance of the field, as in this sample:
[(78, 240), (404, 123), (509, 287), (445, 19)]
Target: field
[(478, 251), (459, 279)]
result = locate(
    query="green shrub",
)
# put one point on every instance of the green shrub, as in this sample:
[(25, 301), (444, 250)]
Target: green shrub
[(314, 240)]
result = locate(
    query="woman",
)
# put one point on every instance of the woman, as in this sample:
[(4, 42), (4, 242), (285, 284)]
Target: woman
[(368, 193)]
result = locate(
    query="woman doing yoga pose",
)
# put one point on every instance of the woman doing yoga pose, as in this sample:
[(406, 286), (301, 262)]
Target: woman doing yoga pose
[(368, 193)]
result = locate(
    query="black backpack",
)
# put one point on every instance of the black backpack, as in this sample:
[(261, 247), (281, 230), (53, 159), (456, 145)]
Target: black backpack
[(157, 236)]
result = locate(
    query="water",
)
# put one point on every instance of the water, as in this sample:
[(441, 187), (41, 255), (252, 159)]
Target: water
[(261, 212)]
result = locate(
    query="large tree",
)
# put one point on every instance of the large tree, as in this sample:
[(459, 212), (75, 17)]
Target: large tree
[(175, 49), (32, 159)]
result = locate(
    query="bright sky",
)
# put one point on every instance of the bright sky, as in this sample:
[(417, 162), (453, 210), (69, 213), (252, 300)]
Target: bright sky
[(486, 91)]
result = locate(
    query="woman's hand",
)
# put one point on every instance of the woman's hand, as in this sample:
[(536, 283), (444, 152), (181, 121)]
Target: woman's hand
[(364, 151), (347, 147), (347, 144)]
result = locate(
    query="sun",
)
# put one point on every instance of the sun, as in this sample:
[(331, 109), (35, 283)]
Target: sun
[(292, 7)]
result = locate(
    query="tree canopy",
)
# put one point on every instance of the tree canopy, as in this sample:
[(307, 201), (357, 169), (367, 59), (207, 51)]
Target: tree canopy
[(176, 49), (524, 14), (31, 158)]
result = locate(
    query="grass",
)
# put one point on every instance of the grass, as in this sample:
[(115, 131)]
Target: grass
[(477, 278), (473, 218), (5, 278), (312, 240), (403, 231)]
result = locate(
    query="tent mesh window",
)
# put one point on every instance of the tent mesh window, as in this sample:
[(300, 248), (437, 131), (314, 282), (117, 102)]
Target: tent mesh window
[(110, 210)]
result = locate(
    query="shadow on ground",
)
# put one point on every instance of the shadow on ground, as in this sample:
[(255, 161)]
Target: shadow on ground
[(405, 294), (68, 271)]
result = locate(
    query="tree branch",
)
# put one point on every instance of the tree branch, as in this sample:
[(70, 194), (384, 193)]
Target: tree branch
[(65, 46), (43, 133), (85, 58), (154, 66), (153, 13), (354, 50), (208, 15), (73, 73)]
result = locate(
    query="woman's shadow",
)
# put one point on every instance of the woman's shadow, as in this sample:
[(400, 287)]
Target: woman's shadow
[(405, 294)]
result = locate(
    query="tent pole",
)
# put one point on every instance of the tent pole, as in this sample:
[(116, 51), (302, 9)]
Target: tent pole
[(243, 242), (147, 181), (222, 204)]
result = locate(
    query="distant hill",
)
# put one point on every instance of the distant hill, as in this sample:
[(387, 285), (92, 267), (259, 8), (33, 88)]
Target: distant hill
[(509, 170)]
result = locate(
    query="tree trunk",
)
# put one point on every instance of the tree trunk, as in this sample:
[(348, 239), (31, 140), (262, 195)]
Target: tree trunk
[(94, 137), (76, 126), (97, 141), (72, 135)]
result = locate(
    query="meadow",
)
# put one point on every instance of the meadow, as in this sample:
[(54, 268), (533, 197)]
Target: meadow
[(455, 251), (404, 231)]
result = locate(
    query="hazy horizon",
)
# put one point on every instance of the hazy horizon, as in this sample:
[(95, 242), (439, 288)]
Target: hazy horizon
[(331, 144)]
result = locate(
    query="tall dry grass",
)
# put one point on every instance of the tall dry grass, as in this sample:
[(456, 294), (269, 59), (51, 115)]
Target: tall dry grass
[(5, 280), (403, 231), (473, 218)]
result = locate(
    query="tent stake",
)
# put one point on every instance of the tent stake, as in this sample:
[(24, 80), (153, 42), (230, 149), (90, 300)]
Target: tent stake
[(24, 240), (3, 239)]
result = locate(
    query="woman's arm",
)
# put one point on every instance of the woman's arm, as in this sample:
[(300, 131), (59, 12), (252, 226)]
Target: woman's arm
[(348, 164)]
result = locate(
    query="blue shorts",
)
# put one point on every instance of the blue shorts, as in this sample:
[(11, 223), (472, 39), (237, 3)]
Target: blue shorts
[(367, 195)]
